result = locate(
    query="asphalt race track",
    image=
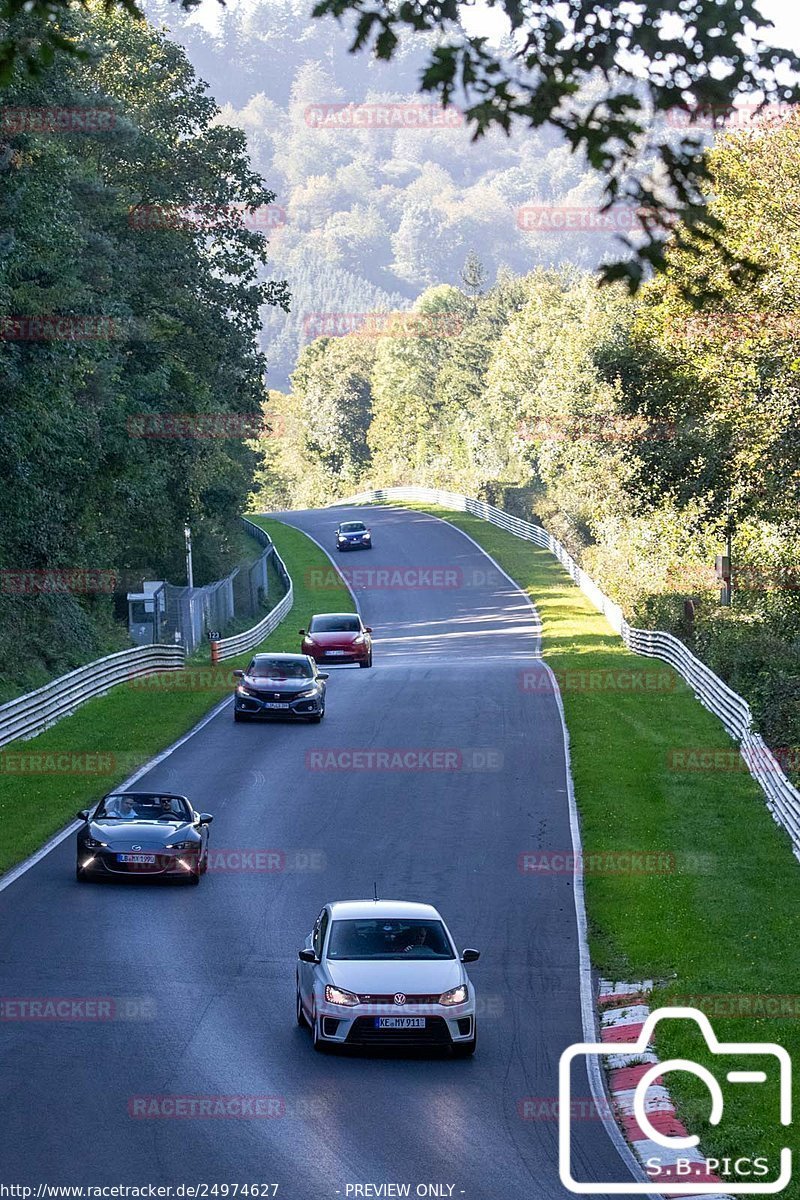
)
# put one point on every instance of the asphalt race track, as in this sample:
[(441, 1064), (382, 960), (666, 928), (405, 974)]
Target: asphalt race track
[(205, 976)]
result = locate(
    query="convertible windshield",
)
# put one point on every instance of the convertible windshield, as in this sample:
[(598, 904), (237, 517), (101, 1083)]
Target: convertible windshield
[(388, 939), (279, 668), (334, 624), (143, 808), (353, 527)]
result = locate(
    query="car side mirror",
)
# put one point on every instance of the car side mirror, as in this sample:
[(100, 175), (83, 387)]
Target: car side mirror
[(206, 818), (323, 674), (302, 632), (368, 628), (308, 956), (238, 674), (470, 956), (83, 813)]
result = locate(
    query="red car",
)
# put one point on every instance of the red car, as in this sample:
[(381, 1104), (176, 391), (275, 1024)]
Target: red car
[(338, 637)]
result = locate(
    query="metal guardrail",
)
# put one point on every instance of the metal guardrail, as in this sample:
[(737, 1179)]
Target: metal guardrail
[(238, 643), (35, 711), (783, 799)]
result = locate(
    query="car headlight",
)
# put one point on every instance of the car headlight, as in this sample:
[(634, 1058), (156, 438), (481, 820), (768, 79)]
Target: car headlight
[(312, 691), (341, 538), (334, 995), (366, 536), (92, 843), (180, 846), (309, 640), (359, 641), (456, 995)]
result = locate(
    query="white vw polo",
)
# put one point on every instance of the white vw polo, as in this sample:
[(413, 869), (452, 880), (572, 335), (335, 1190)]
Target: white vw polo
[(385, 973)]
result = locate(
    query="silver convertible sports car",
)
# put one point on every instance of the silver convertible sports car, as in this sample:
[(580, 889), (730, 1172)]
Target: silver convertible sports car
[(385, 973), (147, 834)]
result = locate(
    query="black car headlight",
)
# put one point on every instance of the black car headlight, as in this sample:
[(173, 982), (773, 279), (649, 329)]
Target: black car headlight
[(311, 691), (181, 846), (92, 843)]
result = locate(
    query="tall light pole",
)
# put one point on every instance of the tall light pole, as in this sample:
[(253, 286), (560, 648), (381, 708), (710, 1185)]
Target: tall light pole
[(187, 533)]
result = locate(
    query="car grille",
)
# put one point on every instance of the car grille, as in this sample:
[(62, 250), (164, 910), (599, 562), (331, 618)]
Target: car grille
[(435, 1033), (367, 998)]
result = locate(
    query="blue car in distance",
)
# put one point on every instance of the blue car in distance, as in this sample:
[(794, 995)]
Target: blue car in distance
[(353, 535)]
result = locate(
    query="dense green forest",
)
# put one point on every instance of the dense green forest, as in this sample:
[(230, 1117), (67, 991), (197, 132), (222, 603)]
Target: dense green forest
[(637, 431), (110, 321)]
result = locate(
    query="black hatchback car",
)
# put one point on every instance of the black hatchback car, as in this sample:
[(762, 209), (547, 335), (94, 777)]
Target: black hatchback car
[(144, 834), (280, 685), (353, 535)]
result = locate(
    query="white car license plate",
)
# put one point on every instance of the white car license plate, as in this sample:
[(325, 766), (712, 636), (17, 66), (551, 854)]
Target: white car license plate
[(400, 1022), (274, 704), (136, 858), (335, 653)]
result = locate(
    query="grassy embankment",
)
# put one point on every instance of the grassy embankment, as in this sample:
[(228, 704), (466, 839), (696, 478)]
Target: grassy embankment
[(723, 922)]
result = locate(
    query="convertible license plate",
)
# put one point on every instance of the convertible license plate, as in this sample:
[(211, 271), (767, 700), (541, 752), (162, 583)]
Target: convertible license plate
[(335, 653), (400, 1022), (136, 858), (274, 704)]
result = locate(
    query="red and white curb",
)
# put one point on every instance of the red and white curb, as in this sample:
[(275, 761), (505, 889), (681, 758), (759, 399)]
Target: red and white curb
[(624, 1009)]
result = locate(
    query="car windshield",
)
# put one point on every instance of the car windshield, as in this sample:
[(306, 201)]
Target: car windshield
[(353, 527), (143, 808), (388, 939), (280, 668), (334, 624)]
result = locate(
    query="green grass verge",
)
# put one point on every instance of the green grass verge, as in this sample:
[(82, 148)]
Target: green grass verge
[(40, 791), (723, 921)]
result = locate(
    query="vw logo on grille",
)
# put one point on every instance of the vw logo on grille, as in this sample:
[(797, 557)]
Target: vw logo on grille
[(136, 847), (277, 695), (399, 997)]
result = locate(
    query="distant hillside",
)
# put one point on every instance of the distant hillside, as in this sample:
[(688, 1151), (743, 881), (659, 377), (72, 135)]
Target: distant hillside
[(373, 215)]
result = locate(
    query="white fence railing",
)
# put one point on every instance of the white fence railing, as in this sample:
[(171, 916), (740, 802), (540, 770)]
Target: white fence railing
[(783, 799), (238, 643), (29, 714)]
